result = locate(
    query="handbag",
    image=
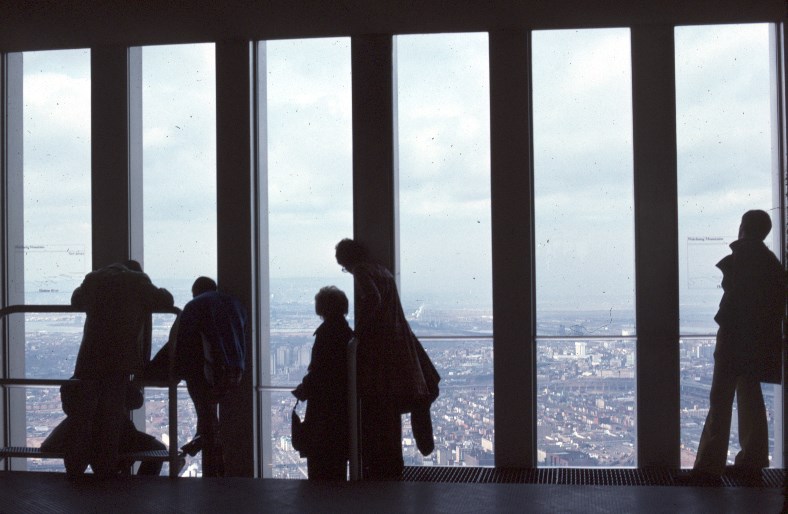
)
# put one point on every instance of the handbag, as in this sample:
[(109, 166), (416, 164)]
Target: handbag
[(299, 432)]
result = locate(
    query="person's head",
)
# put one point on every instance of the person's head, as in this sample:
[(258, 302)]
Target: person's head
[(330, 302), (133, 265), (755, 224), (203, 285), (349, 253)]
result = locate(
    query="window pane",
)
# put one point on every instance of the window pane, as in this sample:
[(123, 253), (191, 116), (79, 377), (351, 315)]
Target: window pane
[(723, 109), (310, 208), (179, 165), (57, 239), (443, 132), (584, 232), (56, 252), (179, 199)]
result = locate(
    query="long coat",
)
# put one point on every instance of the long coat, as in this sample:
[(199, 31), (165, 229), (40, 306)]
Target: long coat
[(392, 365), (325, 389), (751, 311)]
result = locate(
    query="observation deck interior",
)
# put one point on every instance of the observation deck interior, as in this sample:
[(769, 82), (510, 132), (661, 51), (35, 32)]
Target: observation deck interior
[(113, 33)]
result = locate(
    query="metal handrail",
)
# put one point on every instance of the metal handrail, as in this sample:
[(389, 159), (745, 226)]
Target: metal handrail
[(172, 382)]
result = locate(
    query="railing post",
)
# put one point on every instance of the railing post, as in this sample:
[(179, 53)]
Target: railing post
[(172, 385)]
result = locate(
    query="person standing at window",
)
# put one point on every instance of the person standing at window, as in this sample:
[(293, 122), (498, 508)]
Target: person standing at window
[(748, 352), (117, 300), (324, 387), (395, 375)]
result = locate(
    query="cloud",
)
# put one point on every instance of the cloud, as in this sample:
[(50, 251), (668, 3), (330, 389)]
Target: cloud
[(582, 143)]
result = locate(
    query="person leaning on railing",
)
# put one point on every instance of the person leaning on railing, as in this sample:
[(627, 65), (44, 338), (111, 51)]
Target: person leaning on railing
[(117, 300)]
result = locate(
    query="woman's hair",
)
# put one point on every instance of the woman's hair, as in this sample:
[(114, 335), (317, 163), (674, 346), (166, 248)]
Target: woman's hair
[(330, 302), (350, 253)]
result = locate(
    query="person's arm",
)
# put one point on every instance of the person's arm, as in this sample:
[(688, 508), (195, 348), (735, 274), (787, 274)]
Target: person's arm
[(78, 298), (189, 356), (316, 375), (160, 298)]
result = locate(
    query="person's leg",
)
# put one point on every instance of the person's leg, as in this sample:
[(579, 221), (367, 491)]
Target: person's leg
[(75, 433), (108, 422), (158, 369), (381, 440), (326, 468), (213, 451), (713, 446), (207, 426), (753, 428)]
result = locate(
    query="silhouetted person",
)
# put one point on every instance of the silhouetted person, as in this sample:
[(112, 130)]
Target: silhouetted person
[(325, 389), (394, 373), (210, 356), (748, 352), (118, 300)]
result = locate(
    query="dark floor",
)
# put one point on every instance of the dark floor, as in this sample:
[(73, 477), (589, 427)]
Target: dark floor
[(28, 492)]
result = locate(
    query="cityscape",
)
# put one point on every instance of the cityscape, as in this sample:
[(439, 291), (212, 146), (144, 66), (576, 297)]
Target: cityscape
[(586, 406)]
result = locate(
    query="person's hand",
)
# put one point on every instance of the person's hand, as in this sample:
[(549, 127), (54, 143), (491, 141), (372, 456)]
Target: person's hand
[(298, 392)]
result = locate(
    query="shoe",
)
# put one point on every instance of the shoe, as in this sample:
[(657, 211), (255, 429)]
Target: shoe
[(193, 447), (181, 464)]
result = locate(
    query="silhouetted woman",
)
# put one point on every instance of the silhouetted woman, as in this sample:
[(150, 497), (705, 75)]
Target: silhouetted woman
[(325, 389)]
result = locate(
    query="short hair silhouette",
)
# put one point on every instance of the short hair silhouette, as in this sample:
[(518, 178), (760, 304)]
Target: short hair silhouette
[(203, 285), (133, 265), (350, 253), (756, 224), (331, 302)]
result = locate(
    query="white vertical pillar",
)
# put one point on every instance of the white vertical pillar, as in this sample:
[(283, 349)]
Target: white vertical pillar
[(263, 341), (777, 60), (13, 403)]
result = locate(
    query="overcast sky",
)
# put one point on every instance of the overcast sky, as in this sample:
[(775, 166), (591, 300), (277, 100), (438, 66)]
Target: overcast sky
[(583, 159)]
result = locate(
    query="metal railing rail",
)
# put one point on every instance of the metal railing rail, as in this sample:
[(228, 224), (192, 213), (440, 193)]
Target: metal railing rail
[(172, 383)]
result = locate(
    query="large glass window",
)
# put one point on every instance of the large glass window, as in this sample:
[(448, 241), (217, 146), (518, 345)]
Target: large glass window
[(584, 233), (55, 253), (723, 109), (444, 225), (179, 198), (56, 141), (310, 208)]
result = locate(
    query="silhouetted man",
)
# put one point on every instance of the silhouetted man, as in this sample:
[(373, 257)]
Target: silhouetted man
[(748, 352), (210, 356), (395, 375), (118, 300)]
